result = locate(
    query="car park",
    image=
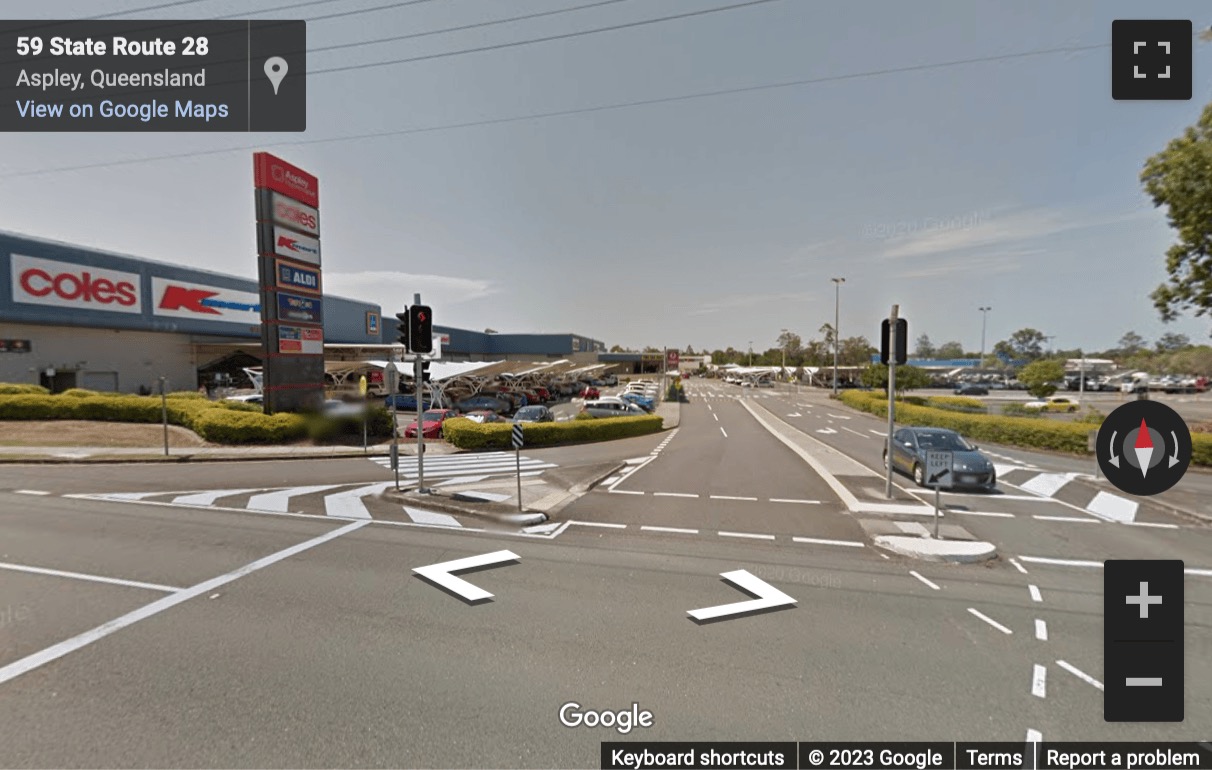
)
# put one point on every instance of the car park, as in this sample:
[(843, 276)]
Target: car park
[(1054, 404), (533, 413), (970, 468), (432, 420)]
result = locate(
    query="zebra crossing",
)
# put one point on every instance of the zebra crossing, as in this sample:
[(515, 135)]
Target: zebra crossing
[(1082, 495), (467, 468)]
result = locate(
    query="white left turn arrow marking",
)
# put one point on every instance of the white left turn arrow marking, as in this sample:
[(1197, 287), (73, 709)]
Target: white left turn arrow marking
[(768, 597), (442, 574)]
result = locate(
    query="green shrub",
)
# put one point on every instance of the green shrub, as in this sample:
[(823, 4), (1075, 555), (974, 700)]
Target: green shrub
[(230, 427), (13, 389), (956, 403), (79, 393), (1201, 449), (1018, 410), (1092, 417), (187, 394), (238, 406), (466, 434)]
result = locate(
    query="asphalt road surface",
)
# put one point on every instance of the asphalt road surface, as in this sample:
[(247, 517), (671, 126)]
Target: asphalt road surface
[(137, 634)]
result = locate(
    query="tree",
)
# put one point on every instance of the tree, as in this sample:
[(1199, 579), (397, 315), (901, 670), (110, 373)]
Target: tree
[(1004, 351), (1040, 377), (617, 349), (923, 348), (1028, 343), (1172, 343), (855, 351), (907, 377), (690, 350), (1131, 343), (1178, 178), (651, 349), (827, 330), (951, 350), (791, 343), (816, 353), (992, 362)]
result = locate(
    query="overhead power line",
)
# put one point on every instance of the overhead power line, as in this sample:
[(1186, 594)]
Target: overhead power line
[(577, 111)]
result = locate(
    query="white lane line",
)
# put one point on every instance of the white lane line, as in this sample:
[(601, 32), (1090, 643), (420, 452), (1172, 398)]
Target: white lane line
[(749, 535), (280, 500), (30, 492), (924, 580), (674, 494), (989, 620), (716, 416), (990, 514), (1075, 519), (1034, 736), (855, 432), (1018, 566), (677, 530), (626, 492), (82, 576), (31, 662), (838, 416), (730, 497), (460, 480), (1039, 679), (1200, 572), (824, 541), (723, 431), (1061, 562), (709, 408), (878, 432), (1082, 675), (1154, 524), (793, 500), (1036, 596), (603, 524), (1041, 630), (884, 555)]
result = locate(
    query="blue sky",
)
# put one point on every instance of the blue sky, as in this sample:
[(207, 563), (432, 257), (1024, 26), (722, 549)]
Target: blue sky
[(709, 222)]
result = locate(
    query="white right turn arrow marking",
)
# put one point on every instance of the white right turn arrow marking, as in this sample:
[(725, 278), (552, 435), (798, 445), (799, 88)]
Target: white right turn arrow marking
[(769, 597)]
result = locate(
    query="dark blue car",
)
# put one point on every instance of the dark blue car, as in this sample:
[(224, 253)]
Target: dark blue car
[(404, 402), (484, 403)]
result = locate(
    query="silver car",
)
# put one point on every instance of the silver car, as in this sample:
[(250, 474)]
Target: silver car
[(598, 408)]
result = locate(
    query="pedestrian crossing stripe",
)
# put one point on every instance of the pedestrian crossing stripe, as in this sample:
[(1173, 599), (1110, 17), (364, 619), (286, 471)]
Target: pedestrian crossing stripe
[(479, 465)]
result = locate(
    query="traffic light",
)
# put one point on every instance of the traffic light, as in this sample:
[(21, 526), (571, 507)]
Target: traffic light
[(402, 328), (902, 341), (420, 329), (425, 371)]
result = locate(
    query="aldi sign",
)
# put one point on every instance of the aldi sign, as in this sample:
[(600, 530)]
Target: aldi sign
[(179, 299), (300, 341), (292, 307), (295, 277)]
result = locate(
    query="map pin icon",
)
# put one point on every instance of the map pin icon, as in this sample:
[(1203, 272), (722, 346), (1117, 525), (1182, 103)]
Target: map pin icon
[(275, 70)]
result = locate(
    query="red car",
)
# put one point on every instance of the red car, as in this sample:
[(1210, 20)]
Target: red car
[(590, 392), (432, 420)]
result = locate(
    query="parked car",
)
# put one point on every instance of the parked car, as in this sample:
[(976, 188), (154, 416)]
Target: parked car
[(534, 413), (970, 468), (405, 402), (610, 380), (254, 398), (597, 408), (647, 403), (971, 389), (1054, 404), (483, 416), (432, 420), (484, 403), (590, 392), (336, 408)]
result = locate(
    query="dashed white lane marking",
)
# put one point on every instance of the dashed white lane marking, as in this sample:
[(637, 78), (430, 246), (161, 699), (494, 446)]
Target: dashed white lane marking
[(1154, 524), (31, 662), (838, 416), (749, 535), (82, 576), (716, 416), (1035, 594), (924, 580), (989, 514), (709, 408), (1076, 519), (989, 620), (793, 500), (1060, 562), (1034, 736), (673, 494), (884, 555), (824, 541), (878, 432), (723, 431), (604, 524), (1039, 679), (855, 432), (677, 530), (1018, 566), (30, 492), (626, 492), (730, 497), (1041, 630), (1082, 675)]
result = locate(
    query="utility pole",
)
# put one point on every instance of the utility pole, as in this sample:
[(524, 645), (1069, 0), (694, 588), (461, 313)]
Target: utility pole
[(416, 381), (393, 387), (984, 319), (892, 353), (837, 338)]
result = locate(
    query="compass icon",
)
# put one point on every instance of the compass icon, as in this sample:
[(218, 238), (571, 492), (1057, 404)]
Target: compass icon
[(1144, 447)]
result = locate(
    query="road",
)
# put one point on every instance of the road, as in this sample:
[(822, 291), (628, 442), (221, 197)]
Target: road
[(143, 631)]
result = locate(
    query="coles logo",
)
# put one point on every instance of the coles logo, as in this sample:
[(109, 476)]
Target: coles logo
[(296, 215), (64, 284)]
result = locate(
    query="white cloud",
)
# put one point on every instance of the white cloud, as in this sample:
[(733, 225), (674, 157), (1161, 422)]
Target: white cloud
[(394, 290)]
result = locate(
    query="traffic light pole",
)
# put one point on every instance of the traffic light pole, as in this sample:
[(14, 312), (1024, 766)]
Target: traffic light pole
[(393, 387), (892, 354), (417, 388)]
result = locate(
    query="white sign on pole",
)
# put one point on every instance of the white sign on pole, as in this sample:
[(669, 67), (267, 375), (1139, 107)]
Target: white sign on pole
[(938, 468)]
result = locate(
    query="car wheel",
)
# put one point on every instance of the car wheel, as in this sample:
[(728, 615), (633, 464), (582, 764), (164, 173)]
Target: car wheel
[(919, 475), (885, 459), (1072, 409)]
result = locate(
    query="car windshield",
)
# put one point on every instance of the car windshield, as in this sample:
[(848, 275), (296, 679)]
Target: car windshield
[(531, 411), (944, 441), (432, 416)]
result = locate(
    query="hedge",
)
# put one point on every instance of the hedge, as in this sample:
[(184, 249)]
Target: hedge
[(13, 389), (956, 403), (1028, 432), (468, 434)]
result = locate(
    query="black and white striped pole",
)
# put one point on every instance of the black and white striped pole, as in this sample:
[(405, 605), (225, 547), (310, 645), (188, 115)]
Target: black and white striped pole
[(517, 452)]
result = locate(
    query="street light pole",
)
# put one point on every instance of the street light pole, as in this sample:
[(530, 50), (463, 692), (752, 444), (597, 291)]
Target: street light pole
[(837, 338), (984, 319)]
